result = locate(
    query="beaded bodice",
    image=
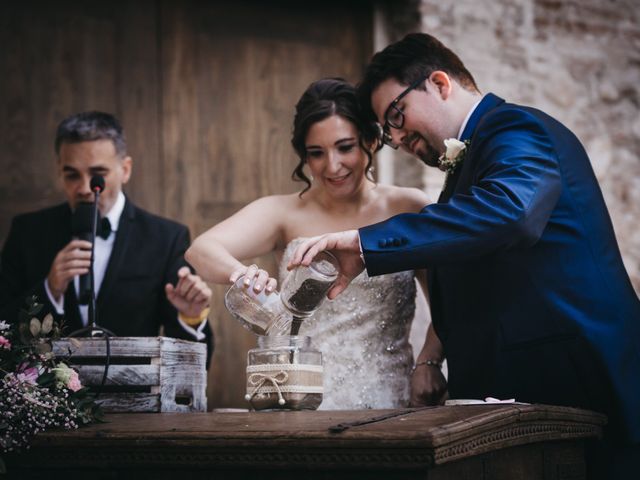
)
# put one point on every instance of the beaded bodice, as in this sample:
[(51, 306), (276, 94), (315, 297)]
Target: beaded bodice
[(363, 335)]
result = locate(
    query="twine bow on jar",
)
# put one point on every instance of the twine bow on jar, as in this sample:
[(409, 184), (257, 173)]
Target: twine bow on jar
[(257, 380)]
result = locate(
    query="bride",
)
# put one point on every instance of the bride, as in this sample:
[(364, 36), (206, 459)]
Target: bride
[(363, 334)]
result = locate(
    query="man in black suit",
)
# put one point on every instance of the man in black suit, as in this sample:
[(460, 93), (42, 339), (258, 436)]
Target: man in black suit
[(142, 281)]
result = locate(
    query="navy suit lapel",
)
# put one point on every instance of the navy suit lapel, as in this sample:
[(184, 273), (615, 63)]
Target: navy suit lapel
[(451, 181), (120, 246), (488, 103)]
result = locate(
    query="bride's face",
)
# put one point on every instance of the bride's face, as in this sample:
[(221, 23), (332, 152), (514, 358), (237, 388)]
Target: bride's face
[(334, 156)]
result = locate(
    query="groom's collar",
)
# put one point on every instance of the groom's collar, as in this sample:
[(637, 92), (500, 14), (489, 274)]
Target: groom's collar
[(488, 102), (466, 119)]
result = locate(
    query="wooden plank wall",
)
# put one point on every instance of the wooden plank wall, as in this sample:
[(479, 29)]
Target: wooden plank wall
[(205, 91)]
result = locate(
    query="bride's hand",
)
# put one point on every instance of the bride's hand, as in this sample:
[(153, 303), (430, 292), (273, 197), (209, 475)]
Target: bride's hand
[(253, 275)]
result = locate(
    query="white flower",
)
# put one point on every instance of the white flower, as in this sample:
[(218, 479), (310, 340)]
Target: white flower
[(3, 326), (453, 156), (454, 147), (62, 373)]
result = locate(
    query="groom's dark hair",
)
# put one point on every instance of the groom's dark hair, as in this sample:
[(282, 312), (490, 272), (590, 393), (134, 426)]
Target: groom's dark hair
[(416, 55)]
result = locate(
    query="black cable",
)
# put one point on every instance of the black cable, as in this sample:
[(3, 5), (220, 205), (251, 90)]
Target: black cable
[(89, 331)]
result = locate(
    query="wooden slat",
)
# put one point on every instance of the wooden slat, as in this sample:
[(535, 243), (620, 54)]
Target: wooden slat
[(177, 374), (128, 347), (193, 392), (130, 402), (124, 375), (176, 346)]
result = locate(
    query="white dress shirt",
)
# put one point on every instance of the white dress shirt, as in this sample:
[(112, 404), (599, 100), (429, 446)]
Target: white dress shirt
[(466, 119), (101, 255)]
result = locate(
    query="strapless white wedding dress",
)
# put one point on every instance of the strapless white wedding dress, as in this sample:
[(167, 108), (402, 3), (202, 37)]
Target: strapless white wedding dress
[(363, 335)]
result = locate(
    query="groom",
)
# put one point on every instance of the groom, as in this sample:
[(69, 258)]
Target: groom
[(528, 291)]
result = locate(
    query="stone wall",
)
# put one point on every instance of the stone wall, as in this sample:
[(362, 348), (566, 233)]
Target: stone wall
[(578, 60)]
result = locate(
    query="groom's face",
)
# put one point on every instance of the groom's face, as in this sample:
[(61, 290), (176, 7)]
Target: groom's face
[(423, 131)]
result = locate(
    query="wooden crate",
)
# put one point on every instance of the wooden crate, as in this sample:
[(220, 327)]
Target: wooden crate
[(146, 374)]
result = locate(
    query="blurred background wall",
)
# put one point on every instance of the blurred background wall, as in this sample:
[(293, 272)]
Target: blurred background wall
[(206, 90)]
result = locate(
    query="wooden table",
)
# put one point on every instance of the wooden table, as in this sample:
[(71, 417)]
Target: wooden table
[(461, 442)]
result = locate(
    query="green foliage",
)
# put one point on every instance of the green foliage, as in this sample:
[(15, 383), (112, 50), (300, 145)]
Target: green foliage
[(37, 390)]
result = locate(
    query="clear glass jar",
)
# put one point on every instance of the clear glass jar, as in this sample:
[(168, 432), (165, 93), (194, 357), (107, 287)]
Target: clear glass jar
[(303, 290), (262, 313), (284, 373)]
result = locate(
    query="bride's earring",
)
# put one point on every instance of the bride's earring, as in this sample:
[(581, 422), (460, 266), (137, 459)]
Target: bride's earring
[(309, 175)]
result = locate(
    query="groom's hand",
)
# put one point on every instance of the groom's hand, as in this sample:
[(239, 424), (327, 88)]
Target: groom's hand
[(346, 248), (428, 387)]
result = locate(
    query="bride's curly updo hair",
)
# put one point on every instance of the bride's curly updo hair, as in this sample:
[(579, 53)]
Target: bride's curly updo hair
[(323, 99)]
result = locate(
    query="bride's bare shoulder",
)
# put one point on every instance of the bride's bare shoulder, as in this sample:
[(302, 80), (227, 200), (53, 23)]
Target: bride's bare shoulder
[(403, 199)]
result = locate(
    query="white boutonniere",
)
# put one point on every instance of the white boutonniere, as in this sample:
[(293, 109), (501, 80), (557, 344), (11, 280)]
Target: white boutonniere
[(453, 155)]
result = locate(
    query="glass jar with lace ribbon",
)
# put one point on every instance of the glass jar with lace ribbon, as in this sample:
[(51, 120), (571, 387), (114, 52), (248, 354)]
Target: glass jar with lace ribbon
[(284, 373)]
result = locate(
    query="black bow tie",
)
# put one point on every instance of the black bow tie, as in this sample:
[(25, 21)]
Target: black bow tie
[(104, 229)]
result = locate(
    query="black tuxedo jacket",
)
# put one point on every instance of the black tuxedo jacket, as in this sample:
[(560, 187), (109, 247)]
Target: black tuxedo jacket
[(147, 253)]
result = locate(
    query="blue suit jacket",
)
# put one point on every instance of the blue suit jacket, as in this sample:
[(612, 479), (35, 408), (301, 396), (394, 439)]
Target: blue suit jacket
[(529, 294)]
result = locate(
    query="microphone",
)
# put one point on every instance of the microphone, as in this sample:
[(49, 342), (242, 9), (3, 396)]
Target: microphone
[(97, 184), (81, 228)]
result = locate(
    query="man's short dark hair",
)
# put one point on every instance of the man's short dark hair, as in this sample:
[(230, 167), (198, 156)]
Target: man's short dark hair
[(416, 55), (90, 126)]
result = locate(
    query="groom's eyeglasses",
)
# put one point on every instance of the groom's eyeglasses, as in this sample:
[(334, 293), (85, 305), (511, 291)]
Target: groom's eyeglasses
[(394, 116)]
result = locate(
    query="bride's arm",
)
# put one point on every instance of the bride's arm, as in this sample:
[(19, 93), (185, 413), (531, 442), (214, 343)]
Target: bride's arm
[(428, 385), (253, 231)]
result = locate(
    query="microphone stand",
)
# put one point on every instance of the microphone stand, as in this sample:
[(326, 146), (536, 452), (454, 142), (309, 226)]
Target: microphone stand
[(92, 326), (93, 329)]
